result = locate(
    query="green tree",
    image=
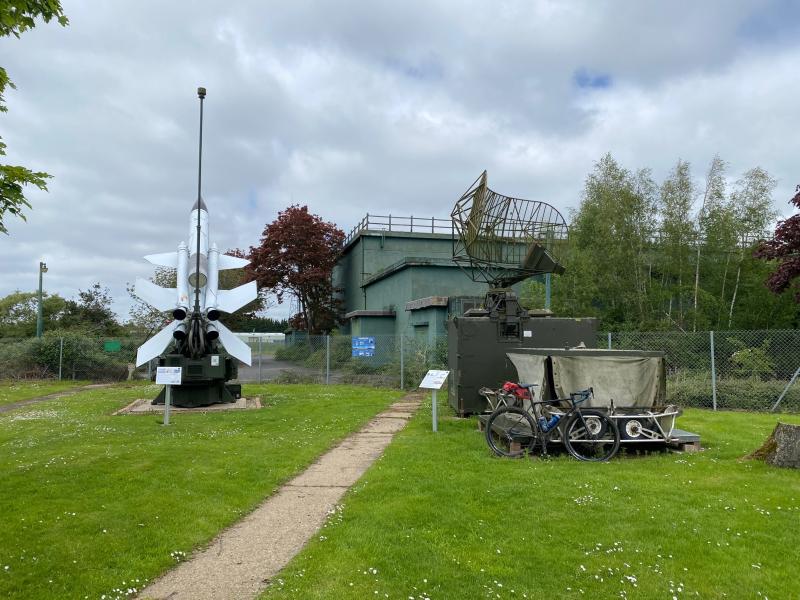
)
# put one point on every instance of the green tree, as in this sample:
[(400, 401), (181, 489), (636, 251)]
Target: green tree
[(676, 197), (610, 240), (18, 313), (90, 312), (752, 206), (16, 17)]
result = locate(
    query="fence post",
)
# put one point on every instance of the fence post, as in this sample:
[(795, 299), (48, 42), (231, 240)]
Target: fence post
[(327, 359), (60, 357), (402, 365), (260, 357), (609, 340), (786, 389), (713, 374)]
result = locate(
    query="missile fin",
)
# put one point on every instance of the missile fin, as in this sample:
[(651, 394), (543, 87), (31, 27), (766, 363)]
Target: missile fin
[(232, 300), (231, 262), (156, 344), (165, 259), (235, 347), (159, 297)]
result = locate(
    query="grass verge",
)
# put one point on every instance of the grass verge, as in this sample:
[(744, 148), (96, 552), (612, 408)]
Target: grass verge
[(438, 517), (14, 391), (92, 504)]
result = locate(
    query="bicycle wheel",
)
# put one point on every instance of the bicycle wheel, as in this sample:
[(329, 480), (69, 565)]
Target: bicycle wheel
[(506, 428), (591, 435)]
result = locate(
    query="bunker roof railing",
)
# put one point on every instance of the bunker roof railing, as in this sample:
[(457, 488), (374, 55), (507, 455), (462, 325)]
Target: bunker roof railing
[(410, 224)]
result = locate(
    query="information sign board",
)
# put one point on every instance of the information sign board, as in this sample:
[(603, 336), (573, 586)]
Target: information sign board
[(168, 375), (363, 346), (434, 380)]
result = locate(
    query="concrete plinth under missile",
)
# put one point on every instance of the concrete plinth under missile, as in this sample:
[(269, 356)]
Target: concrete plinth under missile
[(204, 380)]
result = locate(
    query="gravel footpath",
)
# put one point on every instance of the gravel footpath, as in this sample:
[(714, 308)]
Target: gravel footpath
[(240, 562)]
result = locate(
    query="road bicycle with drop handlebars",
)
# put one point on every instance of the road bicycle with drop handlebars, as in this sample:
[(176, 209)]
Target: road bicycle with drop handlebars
[(587, 434)]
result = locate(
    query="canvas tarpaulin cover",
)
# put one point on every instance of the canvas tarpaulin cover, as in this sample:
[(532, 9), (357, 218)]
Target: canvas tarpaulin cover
[(630, 378)]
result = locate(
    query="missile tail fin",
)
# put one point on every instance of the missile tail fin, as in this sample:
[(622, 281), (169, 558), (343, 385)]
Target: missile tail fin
[(231, 262), (156, 344), (235, 347), (232, 300), (165, 259), (155, 295)]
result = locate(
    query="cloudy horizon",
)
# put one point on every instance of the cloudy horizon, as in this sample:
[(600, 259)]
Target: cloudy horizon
[(368, 107)]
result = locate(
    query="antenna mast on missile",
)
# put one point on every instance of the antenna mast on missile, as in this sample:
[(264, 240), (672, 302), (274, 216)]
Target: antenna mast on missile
[(201, 93)]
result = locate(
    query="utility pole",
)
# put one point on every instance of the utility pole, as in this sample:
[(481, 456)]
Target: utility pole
[(39, 314)]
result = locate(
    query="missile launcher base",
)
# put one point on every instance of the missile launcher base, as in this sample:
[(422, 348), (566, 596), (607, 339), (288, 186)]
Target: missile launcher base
[(203, 380)]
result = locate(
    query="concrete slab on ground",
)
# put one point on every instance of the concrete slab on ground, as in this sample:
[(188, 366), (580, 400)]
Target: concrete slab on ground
[(145, 406)]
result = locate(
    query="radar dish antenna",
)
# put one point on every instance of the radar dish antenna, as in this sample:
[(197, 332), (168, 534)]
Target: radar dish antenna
[(503, 240)]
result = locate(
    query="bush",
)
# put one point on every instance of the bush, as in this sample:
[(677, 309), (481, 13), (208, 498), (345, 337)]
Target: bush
[(82, 357), (744, 393)]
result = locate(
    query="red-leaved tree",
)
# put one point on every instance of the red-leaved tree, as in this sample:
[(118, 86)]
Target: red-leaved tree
[(297, 253), (785, 248)]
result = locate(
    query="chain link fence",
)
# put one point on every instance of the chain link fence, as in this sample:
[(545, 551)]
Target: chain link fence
[(746, 370), (73, 356), (740, 370), (381, 360)]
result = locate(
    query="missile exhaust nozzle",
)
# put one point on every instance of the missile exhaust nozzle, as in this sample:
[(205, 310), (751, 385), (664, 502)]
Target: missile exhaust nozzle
[(180, 332), (212, 333), (212, 314), (179, 314)]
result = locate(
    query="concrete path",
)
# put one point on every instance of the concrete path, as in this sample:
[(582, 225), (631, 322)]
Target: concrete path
[(64, 394), (240, 562)]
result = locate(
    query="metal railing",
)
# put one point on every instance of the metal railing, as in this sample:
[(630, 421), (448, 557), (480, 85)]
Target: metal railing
[(401, 224)]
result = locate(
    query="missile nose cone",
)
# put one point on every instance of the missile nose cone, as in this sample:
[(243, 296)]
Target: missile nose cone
[(199, 204)]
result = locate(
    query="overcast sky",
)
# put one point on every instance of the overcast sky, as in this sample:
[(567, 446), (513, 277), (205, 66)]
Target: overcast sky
[(380, 107)]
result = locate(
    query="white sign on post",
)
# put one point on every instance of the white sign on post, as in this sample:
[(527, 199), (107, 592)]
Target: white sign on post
[(168, 376), (434, 380)]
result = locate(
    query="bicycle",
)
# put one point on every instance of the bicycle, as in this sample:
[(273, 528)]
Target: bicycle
[(587, 434)]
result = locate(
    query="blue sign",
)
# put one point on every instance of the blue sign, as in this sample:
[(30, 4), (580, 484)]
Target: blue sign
[(363, 346)]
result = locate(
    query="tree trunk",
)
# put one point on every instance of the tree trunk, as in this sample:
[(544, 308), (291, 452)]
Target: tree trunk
[(735, 289), (722, 294), (782, 447), (696, 285)]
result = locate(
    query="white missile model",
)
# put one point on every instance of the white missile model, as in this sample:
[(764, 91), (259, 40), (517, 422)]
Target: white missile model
[(211, 302), (197, 266)]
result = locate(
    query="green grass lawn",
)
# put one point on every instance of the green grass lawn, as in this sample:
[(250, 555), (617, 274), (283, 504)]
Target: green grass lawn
[(438, 517), (14, 391), (92, 503)]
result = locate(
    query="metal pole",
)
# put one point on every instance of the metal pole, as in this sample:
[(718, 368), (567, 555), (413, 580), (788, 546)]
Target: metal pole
[(39, 312), (260, 358), (609, 340), (327, 359), (786, 389), (167, 401), (433, 413), (402, 365), (713, 374), (547, 291), (60, 357)]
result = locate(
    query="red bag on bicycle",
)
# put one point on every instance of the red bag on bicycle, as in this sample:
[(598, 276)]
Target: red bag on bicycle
[(512, 388)]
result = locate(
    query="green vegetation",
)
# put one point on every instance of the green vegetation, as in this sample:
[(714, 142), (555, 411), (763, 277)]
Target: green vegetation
[(438, 517), (91, 502), (14, 391), (678, 256)]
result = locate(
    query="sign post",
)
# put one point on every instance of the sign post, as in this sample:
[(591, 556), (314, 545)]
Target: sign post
[(168, 376), (434, 380)]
